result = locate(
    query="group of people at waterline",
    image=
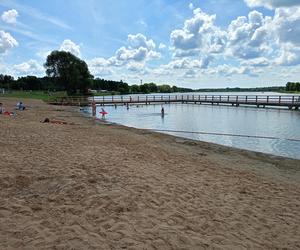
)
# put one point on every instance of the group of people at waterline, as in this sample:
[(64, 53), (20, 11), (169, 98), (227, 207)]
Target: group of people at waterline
[(103, 113)]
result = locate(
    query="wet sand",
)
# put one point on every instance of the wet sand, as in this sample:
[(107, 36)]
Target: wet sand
[(90, 185)]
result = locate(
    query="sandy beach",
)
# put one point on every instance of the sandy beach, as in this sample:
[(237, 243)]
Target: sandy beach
[(91, 185)]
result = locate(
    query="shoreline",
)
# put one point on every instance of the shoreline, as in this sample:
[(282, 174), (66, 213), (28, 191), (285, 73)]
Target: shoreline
[(107, 186)]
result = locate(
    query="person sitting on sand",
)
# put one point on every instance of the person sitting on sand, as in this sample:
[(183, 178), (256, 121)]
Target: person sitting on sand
[(20, 106)]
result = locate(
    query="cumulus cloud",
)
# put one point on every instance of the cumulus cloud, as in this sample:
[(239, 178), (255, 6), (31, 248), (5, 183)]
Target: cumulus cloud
[(100, 66), (198, 35), (272, 4), (248, 37), (139, 50), (70, 46), (31, 67), (6, 42), (139, 40), (124, 54), (10, 16)]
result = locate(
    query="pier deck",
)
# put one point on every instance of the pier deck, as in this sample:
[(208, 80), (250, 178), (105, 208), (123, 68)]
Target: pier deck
[(288, 101)]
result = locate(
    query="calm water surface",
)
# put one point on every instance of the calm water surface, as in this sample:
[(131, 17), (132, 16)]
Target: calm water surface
[(280, 123)]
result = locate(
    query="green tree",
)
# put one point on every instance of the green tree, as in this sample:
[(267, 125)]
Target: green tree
[(165, 88), (69, 71), (135, 89)]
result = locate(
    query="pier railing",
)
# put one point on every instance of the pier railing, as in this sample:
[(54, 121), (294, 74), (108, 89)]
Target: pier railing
[(289, 101), (199, 98)]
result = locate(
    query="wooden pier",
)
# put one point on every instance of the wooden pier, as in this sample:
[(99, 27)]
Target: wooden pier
[(289, 101)]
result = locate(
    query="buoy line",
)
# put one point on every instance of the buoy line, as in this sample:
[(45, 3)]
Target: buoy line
[(225, 134)]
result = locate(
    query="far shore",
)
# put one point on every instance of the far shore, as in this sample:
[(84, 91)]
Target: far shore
[(85, 184)]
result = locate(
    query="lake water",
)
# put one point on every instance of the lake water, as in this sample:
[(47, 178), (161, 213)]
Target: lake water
[(267, 122)]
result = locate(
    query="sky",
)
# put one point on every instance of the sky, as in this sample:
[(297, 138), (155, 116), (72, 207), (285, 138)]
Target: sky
[(195, 44)]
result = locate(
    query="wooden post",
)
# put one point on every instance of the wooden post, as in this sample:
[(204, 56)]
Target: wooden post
[(293, 100), (246, 98), (279, 99), (220, 98), (267, 99)]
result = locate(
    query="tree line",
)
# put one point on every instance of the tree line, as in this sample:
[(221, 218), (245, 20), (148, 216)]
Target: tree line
[(292, 86), (51, 84), (66, 72)]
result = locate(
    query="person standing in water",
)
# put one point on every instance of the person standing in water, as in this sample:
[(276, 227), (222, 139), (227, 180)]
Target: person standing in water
[(162, 112)]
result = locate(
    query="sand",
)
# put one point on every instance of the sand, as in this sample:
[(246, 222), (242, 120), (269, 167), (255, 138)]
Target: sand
[(99, 186)]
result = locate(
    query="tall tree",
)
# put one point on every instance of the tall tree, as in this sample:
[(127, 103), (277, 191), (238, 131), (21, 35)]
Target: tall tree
[(69, 71)]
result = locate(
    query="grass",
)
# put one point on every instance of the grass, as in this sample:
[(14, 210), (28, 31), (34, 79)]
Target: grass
[(40, 95)]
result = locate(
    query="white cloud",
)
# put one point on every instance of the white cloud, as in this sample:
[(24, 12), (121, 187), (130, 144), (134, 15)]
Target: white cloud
[(100, 66), (140, 50), (249, 37), (162, 46), (198, 35), (124, 54), (10, 16), (6, 42), (191, 6), (69, 46), (31, 67), (272, 4), (139, 40)]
